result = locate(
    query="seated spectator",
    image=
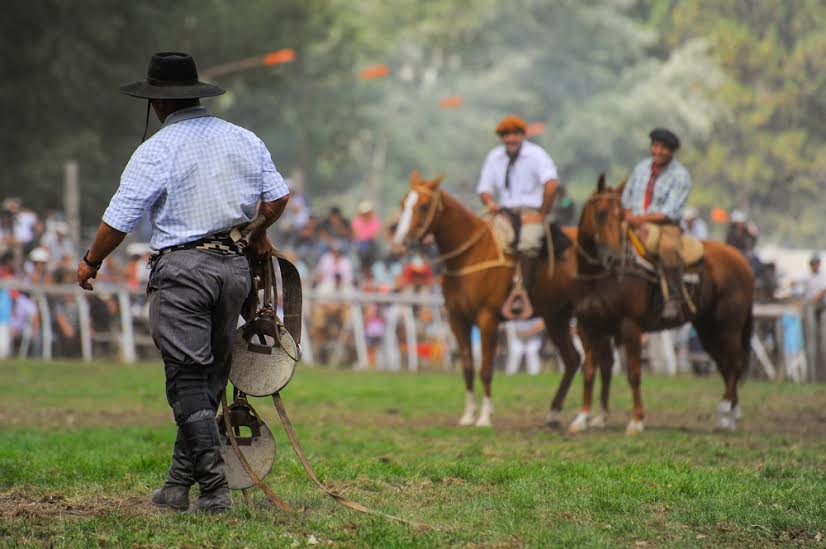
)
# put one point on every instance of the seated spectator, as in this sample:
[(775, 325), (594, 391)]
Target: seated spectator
[(741, 234), (693, 225), (366, 227), (58, 242), (815, 283), (334, 263), (417, 276), (337, 226), (66, 319), (37, 267)]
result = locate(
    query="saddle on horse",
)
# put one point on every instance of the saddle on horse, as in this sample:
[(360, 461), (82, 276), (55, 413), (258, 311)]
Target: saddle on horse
[(509, 228), (668, 252)]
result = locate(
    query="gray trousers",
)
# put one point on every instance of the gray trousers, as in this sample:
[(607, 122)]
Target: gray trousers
[(194, 303)]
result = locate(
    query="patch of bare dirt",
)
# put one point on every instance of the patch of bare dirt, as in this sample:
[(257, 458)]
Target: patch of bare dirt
[(806, 420), (16, 505), (63, 418)]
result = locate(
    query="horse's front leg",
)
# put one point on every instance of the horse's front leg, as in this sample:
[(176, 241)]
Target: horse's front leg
[(559, 330), (580, 422), (488, 322), (632, 341), (461, 331)]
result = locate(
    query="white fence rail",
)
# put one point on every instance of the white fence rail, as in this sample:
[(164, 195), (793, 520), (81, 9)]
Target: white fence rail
[(788, 341)]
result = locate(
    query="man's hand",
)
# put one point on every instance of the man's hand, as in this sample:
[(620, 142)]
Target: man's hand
[(261, 245), (84, 273), (492, 206)]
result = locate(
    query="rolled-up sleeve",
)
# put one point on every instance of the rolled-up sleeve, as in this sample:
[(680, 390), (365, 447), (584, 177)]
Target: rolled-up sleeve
[(274, 186), (487, 179), (545, 169), (141, 184)]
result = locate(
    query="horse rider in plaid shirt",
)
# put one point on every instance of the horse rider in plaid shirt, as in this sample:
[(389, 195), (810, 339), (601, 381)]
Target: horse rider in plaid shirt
[(657, 192), (198, 177)]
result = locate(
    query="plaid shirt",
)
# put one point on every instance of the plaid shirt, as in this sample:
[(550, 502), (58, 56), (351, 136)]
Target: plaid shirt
[(670, 191), (197, 176)]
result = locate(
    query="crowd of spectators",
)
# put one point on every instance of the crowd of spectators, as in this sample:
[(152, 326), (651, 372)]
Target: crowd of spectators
[(334, 255)]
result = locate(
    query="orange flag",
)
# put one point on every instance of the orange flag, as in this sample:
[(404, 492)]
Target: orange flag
[(535, 128), (277, 57), (376, 71), (719, 215), (451, 102)]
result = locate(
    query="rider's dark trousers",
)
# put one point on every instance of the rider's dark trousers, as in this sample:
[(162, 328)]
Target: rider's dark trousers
[(194, 304)]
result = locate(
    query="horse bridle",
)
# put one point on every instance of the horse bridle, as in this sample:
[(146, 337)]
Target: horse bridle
[(596, 261), (435, 206)]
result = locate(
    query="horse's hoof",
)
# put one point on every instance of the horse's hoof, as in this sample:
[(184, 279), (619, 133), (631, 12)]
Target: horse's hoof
[(467, 420), (579, 424), (483, 422), (635, 427), (553, 419), (598, 421), (727, 417), (726, 425)]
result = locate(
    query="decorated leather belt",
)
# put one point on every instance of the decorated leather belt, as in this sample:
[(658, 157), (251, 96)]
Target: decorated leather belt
[(220, 243)]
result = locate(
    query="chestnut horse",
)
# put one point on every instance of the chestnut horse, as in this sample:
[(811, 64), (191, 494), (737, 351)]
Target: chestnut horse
[(477, 281), (622, 302)]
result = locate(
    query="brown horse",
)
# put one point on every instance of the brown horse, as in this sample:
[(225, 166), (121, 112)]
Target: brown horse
[(622, 303), (477, 281)]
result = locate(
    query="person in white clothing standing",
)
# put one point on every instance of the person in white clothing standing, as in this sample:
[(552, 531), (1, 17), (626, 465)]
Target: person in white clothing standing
[(525, 180), (524, 339)]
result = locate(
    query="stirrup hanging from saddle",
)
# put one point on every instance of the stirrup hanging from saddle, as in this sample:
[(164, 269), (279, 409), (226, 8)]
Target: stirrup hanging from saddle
[(258, 448), (264, 356), (518, 305)]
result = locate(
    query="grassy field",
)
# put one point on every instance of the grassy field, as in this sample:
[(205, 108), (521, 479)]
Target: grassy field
[(82, 445)]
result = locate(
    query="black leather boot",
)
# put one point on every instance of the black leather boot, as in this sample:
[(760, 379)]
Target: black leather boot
[(673, 307), (201, 435), (175, 491)]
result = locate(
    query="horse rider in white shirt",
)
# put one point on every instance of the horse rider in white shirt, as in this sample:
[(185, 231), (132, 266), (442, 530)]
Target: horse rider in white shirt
[(525, 180)]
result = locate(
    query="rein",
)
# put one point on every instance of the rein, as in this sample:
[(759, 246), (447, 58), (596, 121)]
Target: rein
[(627, 255), (436, 206)]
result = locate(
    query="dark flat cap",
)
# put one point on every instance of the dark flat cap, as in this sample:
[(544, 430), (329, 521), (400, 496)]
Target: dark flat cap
[(666, 137)]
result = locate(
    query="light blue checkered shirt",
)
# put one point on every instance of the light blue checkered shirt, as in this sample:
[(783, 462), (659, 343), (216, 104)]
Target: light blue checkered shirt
[(671, 190), (199, 175)]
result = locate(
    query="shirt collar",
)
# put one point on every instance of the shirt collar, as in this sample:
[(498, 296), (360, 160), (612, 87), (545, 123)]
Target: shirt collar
[(186, 114)]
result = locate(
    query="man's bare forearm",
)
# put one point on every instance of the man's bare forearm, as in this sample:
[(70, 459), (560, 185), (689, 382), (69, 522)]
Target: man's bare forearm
[(548, 196), (271, 212), (106, 240)]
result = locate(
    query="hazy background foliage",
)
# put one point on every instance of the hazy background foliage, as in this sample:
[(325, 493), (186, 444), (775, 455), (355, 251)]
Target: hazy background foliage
[(743, 82)]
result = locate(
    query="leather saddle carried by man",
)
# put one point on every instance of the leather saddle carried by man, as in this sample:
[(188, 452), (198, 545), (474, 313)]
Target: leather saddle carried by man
[(519, 176)]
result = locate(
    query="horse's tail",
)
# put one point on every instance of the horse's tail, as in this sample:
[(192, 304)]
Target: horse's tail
[(748, 330)]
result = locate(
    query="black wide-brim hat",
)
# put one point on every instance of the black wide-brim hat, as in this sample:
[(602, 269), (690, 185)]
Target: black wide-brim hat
[(171, 75)]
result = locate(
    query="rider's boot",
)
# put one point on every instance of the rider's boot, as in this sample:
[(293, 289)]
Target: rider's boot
[(673, 307), (175, 491), (201, 434)]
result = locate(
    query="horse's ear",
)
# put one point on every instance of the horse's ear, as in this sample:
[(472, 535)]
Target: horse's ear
[(621, 186), (435, 183), (601, 183), (415, 177)]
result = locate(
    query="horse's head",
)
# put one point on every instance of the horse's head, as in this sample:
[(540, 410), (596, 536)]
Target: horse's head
[(419, 207), (601, 222)]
